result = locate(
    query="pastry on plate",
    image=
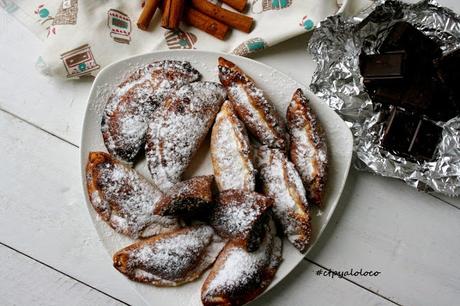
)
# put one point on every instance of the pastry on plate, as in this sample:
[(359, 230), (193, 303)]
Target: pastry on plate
[(231, 152), (238, 276), (192, 197), (241, 215), (170, 259), (283, 184), (123, 198), (308, 150), (179, 128), (251, 105), (130, 108)]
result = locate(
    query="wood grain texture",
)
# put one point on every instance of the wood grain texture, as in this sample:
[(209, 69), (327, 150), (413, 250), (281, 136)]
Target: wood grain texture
[(55, 105), (410, 237), (26, 282), (380, 224), (42, 211), (43, 194)]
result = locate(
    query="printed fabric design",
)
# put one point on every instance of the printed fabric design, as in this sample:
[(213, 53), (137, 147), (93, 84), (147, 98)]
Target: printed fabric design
[(307, 23), (79, 61), (45, 18), (66, 13), (120, 26), (178, 39), (260, 6), (250, 46)]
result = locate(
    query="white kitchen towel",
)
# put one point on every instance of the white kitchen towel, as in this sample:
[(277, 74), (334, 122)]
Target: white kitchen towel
[(82, 36)]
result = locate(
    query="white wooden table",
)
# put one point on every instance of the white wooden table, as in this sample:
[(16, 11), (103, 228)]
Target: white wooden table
[(50, 253)]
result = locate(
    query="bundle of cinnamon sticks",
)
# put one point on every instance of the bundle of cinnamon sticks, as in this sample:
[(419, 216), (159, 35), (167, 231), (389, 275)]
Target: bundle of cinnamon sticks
[(200, 14)]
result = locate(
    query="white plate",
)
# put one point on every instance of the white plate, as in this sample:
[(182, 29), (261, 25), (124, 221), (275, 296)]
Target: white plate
[(278, 88)]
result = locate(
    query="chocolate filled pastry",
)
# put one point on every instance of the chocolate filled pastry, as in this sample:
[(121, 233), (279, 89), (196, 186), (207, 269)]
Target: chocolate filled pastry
[(283, 184), (257, 113), (170, 259), (241, 215), (192, 197), (130, 108), (308, 150), (179, 128), (238, 276), (231, 152), (123, 198)]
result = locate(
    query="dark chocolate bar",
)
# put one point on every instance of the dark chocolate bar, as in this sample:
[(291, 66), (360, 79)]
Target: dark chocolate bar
[(425, 140), (388, 94), (388, 66), (408, 135), (448, 70), (404, 36), (399, 131)]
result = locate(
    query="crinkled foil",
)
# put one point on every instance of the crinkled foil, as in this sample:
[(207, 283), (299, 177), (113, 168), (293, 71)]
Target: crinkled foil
[(335, 47)]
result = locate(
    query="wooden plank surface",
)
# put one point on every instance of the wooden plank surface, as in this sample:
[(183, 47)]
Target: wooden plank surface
[(26, 282), (381, 224), (410, 237), (43, 215), (42, 212)]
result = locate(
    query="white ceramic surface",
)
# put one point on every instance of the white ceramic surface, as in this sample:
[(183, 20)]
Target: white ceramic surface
[(278, 87)]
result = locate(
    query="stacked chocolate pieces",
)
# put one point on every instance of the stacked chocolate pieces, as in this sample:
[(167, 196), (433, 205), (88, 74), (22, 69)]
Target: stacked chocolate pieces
[(418, 83)]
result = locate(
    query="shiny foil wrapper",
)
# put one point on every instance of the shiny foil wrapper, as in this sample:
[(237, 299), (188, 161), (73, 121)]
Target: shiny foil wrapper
[(336, 45)]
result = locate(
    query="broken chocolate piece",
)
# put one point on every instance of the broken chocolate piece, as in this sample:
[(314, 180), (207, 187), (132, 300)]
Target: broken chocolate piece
[(425, 141), (388, 94), (448, 71), (404, 36), (388, 66), (399, 132), (408, 135)]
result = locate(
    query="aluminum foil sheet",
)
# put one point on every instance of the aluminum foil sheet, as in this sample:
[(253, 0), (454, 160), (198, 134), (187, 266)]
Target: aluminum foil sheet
[(335, 47)]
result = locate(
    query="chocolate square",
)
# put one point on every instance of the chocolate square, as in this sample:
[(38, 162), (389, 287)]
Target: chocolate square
[(388, 66), (404, 36), (448, 68), (418, 96), (390, 93), (399, 131), (425, 140)]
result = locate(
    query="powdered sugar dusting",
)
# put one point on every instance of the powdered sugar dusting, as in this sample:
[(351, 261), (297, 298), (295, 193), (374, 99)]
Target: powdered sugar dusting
[(127, 199), (257, 113), (308, 146), (238, 273), (131, 106), (179, 129), (231, 152), (237, 211), (282, 183), (174, 258)]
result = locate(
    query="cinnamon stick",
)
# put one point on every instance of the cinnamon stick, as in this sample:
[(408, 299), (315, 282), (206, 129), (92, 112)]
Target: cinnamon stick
[(239, 5), (235, 20), (146, 16), (172, 13), (205, 23)]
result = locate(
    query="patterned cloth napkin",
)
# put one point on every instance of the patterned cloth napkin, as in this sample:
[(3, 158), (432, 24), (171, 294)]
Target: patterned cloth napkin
[(82, 36)]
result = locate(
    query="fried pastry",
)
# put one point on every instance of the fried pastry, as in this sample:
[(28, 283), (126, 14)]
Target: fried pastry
[(308, 150), (239, 276), (283, 184), (130, 108), (231, 152), (179, 128), (240, 215), (257, 113), (123, 198), (192, 197), (170, 259)]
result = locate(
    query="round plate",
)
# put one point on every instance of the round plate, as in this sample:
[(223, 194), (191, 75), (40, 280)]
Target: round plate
[(278, 88)]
